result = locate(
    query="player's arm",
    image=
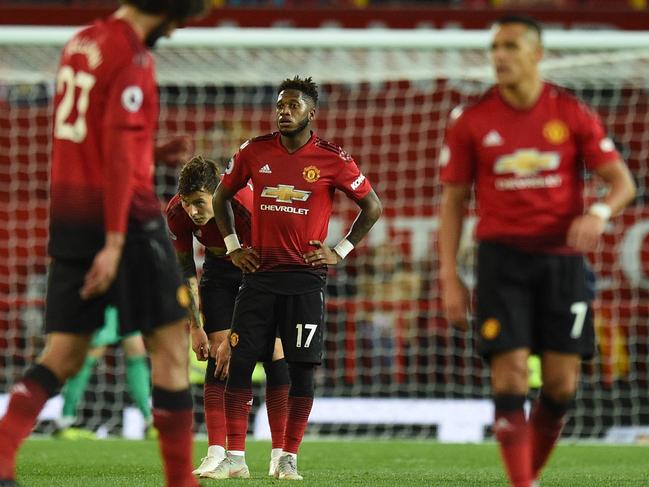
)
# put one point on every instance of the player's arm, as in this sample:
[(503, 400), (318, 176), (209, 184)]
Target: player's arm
[(371, 210), (585, 230), (454, 293), (200, 343), (245, 259)]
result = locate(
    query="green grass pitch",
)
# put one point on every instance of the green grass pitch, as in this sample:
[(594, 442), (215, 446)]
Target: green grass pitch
[(87, 463)]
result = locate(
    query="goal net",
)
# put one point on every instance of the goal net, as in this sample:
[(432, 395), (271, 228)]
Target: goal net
[(385, 97)]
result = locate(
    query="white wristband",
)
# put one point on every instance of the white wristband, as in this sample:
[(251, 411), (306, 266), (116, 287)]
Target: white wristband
[(343, 248), (601, 210), (231, 243)]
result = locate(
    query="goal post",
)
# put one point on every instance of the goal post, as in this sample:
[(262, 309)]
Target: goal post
[(385, 96)]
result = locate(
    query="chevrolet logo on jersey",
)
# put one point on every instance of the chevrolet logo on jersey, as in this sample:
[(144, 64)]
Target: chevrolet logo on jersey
[(527, 162), (285, 193)]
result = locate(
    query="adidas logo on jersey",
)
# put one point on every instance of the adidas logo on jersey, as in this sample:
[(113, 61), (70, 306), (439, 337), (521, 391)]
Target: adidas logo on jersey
[(265, 169), (492, 139)]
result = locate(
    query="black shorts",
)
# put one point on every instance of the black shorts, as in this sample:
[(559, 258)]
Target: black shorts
[(218, 290), (147, 292), (150, 289), (532, 300), (298, 318), (65, 311)]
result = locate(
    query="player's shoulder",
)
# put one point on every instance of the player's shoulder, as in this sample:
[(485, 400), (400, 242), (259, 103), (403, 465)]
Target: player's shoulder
[(326, 146), (119, 43), (259, 142), (174, 210), (484, 104), (567, 99)]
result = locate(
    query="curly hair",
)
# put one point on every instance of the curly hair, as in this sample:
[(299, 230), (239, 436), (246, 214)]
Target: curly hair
[(198, 174), (307, 86)]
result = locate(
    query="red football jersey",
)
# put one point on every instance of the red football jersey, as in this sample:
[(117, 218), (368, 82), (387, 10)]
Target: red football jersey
[(182, 229), (293, 194), (105, 115), (527, 165)]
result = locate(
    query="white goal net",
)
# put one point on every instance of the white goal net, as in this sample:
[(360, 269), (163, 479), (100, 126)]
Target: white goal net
[(385, 97)]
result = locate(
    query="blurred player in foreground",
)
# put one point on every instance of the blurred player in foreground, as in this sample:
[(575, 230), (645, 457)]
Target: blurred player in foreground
[(190, 214), (294, 175), (525, 144), (108, 241)]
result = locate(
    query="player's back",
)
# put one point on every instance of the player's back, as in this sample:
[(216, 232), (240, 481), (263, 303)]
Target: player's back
[(105, 84)]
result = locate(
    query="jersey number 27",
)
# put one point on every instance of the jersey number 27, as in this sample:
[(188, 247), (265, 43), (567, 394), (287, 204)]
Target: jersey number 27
[(67, 82)]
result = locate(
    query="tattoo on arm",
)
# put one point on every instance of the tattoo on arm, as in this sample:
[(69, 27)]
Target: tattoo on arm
[(370, 212), (186, 260)]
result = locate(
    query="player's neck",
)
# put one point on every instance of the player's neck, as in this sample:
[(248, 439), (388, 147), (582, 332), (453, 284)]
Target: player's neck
[(141, 23), (293, 143), (522, 95)]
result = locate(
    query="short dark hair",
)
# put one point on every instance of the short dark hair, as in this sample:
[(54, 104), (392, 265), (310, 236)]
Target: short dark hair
[(307, 86), (529, 22), (198, 174)]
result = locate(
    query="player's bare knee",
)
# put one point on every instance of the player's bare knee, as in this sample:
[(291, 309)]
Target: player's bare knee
[(561, 389), (278, 351), (511, 380)]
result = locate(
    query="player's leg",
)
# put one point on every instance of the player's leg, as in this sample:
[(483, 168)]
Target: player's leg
[(72, 392), (69, 323), (566, 335), (560, 374), (277, 384), (504, 323), (218, 291), (138, 377), (153, 300), (251, 338), (213, 405), (301, 327)]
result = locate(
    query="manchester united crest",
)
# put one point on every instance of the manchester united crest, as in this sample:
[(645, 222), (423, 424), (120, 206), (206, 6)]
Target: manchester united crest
[(311, 174), (556, 132), (490, 329), (234, 339)]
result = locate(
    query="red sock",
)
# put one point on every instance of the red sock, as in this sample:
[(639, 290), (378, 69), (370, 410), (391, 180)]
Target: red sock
[(27, 400), (546, 429), (237, 408), (276, 405), (213, 398), (175, 438), (513, 435), (299, 409)]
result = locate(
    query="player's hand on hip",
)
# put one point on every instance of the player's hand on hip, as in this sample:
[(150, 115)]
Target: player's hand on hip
[(455, 298), (245, 259), (222, 360), (200, 344), (321, 255), (102, 273), (584, 232)]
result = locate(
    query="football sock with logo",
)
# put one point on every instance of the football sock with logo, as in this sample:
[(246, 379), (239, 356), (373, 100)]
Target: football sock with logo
[(74, 387), (277, 383), (172, 417), (300, 402), (546, 422), (513, 435), (213, 400), (138, 379), (25, 403), (238, 400)]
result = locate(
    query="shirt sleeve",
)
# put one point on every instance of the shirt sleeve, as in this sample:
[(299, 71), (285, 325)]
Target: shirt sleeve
[(125, 127), (181, 236), (596, 148), (237, 173), (351, 181), (457, 159)]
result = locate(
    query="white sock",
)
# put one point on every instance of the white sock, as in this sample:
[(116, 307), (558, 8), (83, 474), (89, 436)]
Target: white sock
[(216, 451), (294, 455), (276, 453)]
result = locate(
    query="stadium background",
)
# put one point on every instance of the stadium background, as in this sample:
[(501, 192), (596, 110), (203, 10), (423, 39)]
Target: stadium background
[(386, 336)]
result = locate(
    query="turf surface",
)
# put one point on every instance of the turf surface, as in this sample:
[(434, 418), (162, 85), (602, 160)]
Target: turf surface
[(87, 463)]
